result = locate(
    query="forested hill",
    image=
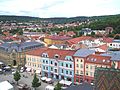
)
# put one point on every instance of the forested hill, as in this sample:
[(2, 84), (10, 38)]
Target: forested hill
[(17, 18), (60, 20)]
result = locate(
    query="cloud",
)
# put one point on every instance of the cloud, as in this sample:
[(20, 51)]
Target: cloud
[(59, 8)]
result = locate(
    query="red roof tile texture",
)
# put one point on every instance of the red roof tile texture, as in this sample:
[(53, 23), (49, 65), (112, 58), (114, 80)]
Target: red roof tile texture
[(78, 39), (52, 52), (58, 37), (98, 59)]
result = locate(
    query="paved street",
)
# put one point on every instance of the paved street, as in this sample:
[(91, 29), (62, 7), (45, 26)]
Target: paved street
[(23, 80)]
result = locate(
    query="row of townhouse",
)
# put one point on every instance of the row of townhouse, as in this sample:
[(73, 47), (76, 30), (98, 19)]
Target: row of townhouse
[(72, 65), (54, 63)]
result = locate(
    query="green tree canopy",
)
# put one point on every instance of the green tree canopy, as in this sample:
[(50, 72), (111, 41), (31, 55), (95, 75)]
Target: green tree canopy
[(35, 82), (58, 86), (17, 76)]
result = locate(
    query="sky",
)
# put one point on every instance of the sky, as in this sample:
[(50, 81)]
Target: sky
[(59, 8)]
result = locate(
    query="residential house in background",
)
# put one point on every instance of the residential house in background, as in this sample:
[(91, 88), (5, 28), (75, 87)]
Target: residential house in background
[(49, 40), (115, 44)]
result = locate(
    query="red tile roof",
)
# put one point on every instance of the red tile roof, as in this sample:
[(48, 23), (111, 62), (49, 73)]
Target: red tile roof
[(107, 40), (52, 52), (98, 59), (36, 52), (78, 39), (58, 37), (103, 47)]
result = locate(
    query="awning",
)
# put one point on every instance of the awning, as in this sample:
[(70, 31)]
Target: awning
[(1, 63), (65, 82), (48, 79), (49, 87), (43, 78), (22, 67), (5, 85), (68, 83), (62, 82), (38, 71), (7, 67), (28, 69)]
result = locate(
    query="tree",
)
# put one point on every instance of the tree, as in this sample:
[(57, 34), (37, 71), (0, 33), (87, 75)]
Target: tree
[(35, 82), (92, 33), (58, 86), (117, 37), (17, 76)]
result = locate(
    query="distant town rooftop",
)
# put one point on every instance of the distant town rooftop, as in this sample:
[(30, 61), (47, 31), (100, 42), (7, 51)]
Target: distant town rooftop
[(55, 37)]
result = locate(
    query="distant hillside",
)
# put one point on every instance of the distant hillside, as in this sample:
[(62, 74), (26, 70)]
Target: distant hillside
[(17, 18), (56, 20), (98, 22)]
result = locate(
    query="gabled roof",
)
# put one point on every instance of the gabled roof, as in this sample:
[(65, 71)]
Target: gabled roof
[(103, 47), (107, 40), (52, 52), (55, 37), (98, 59), (78, 39), (83, 52)]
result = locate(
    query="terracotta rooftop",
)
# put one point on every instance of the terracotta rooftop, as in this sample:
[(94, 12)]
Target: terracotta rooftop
[(78, 39), (103, 47), (52, 52), (58, 37), (98, 59), (107, 40)]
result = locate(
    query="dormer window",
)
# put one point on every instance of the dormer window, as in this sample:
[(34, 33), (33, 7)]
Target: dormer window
[(69, 58), (56, 56), (44, 55)]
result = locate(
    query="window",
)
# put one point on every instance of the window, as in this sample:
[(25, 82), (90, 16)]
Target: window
[(77, 65), (43, 61), (66, 72), (86, 73), (61, 64), (56, 56), (70, 66), (81, 60), (46, 68), (86, 66), (55, 64), (51, 62), (51, 68), (62, 70), (66, 65), (91, 74), (77, 60), (77, 72), (81, 66), (81, 72), (91, 67), (46, 62), (70, 72), (55, 70)]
